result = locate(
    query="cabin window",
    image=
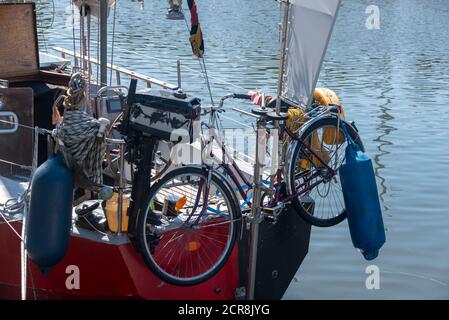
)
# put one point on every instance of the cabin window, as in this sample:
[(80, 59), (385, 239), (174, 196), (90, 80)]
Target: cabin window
[(9, 123)]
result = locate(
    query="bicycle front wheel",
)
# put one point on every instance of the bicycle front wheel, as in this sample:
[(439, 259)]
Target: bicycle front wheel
[(320, 197), (189, 228)]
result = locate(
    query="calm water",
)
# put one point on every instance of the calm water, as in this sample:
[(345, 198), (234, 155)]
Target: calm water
[(394, 82)]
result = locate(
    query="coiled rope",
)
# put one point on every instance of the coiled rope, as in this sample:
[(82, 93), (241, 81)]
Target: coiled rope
[(83, 149)]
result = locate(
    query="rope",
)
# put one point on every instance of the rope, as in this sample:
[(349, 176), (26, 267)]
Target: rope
[(82, 62), (203, 68), (10, 225), (73, 32), (33, 287), (21, 166), (34, 163), (93, 227), (19, 124), (80, 139), (23, 255), (207, 80), (83, 148), (98, 51), (89, 66), (112, 45), (37, 130)]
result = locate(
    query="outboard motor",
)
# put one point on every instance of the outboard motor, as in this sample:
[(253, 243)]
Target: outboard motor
[(50, 215), (362, 201)]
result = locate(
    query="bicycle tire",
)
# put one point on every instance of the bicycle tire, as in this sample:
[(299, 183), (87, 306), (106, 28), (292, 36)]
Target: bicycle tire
[(234, 215), (327, 121)]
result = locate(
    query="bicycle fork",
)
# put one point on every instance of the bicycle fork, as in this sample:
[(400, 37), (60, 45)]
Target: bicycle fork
[(203, 189)]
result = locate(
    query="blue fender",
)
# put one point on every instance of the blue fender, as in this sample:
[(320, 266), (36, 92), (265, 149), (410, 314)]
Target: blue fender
[(362, 202), (50, 215)]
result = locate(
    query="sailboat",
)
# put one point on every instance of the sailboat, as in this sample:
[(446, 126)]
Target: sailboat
[(175, 10), (105, 263)]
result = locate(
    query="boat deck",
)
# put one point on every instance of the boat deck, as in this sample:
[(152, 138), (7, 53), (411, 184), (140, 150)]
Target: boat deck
[(10, 188)]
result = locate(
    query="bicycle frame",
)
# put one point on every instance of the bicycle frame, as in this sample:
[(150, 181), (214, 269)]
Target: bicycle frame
[(227, 162), (232, 170)]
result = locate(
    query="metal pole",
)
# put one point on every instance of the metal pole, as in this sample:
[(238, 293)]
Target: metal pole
[(286, 4), (255, 208), (120, 190), (178, 69), (282, 58), (103, 42)]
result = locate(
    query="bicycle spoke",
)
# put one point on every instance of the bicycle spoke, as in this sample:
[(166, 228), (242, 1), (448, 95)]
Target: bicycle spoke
[(322, 150), (197, 233)]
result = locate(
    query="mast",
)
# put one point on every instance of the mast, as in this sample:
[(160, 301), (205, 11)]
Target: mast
[(103, 25), (282, 58)]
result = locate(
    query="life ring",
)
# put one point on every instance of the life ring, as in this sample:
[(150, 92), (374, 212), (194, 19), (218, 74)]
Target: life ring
[(326, 97)]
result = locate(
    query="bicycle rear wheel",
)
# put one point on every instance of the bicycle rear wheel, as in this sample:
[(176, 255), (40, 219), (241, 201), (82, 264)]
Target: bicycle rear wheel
[(185, 240), (320, 198)]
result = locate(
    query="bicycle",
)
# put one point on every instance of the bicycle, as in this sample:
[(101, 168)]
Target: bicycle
[(187, 228)]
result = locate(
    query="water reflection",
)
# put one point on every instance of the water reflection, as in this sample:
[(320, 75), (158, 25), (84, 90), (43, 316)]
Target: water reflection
[(384, 126), (384, 131)]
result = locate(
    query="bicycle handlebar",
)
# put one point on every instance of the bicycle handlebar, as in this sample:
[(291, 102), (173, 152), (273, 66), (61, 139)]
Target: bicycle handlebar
[(242, 96), (234, 96)]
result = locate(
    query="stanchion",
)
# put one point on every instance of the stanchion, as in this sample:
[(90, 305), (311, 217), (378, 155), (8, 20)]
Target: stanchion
[(255, 208)]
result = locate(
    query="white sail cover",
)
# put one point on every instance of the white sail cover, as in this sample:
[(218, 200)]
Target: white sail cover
[(308, 34)]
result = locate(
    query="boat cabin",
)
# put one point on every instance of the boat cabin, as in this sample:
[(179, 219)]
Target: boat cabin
[(27, 92)]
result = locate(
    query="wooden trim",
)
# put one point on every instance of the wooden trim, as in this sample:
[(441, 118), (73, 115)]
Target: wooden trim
[(56, 78), (19, 41)]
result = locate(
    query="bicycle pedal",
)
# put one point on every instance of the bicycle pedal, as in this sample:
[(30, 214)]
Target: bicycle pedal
[(268, 210), (273, 211), (269, 218)]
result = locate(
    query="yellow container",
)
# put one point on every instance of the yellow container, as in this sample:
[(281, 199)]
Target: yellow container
[(326, 97), (111, 213)]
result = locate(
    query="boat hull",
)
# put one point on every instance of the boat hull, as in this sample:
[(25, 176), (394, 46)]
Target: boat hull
[(103, 271), (110, 268)]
